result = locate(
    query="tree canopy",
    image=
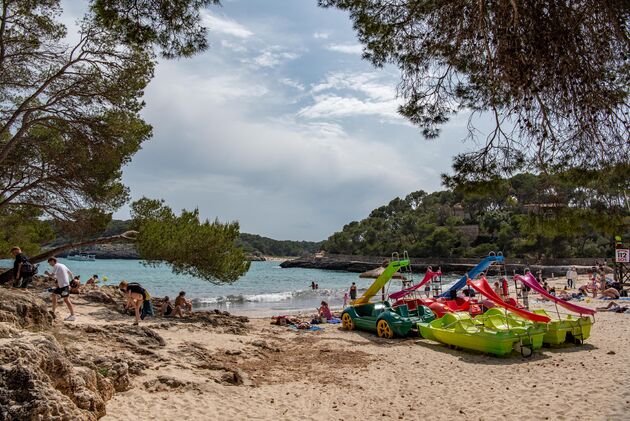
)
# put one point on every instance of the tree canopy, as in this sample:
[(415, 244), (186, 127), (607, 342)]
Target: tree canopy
[(70, 120), (553, 76), (204, 249)]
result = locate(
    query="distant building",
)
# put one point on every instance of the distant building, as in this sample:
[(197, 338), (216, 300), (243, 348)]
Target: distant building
[(459, 211), (469, 231)]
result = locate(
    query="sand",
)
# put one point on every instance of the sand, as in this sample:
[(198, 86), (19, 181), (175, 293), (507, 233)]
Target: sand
[(340, 375)]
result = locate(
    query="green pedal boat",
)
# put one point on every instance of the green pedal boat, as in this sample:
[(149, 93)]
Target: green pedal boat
[(491, 335), (571, 328), (557, 331)]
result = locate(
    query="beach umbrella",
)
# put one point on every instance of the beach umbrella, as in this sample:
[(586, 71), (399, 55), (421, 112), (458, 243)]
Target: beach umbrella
[(375, 273)]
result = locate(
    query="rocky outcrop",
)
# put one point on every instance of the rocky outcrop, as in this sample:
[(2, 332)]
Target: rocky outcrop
[(106, 294), (23, 310), (548, 267), (38, 381)]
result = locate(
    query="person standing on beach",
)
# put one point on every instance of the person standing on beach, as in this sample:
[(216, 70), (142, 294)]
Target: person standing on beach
[(572, 276), (353, 291), (23, 270), (62, 275)]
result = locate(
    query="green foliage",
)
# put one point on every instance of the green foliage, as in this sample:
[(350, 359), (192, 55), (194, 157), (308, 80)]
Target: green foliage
[(552, 76), (566, 214), (173, 26), (255, 244), (190, 246), (23, 227)]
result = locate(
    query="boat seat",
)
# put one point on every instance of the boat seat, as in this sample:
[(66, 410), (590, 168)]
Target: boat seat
[(403, 310)]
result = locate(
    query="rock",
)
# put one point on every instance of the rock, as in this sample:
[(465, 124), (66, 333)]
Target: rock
[(611, 353), (8, 331), (264, 345), (24, 310), (171, 382), (106, 294), (37, 381), (119, 376)]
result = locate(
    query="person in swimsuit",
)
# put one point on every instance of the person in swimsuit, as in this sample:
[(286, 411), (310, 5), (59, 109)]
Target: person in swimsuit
[(136, 295), (181, 304), (324, 311), (353, 291)]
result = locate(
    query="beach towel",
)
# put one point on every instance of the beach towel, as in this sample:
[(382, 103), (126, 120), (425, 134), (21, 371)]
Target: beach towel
[(334, 321), (309, 329)]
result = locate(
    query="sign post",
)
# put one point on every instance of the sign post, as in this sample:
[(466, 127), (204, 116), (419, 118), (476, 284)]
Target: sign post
[(622, 263)]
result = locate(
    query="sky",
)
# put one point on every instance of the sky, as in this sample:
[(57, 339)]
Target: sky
[(282, 126)]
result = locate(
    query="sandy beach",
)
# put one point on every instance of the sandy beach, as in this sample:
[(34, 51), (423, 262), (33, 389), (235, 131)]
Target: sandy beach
[(222, 367)]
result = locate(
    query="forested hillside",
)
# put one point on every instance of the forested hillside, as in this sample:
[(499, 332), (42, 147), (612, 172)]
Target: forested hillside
[(251, 243), (568, 215)]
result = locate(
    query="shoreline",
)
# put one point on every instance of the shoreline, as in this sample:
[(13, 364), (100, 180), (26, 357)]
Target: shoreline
[(357, 264)]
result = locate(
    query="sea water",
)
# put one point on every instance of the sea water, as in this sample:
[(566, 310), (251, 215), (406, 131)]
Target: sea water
[(264, 290)]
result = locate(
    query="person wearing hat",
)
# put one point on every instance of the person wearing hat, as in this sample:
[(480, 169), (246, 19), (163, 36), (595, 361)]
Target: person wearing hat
[(572, 277)]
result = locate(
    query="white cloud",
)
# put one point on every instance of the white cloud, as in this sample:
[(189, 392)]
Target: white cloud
[(233, 47), (343, 94), (272, 57), (374, 85), (327, 106), (346, 48), (292, 84), (321, 35), (224, 25)]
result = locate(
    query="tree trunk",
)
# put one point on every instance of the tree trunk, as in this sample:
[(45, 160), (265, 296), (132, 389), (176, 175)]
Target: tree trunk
[(126, 236)]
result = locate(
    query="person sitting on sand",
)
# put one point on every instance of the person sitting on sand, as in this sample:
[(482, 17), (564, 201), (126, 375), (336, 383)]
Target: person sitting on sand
[(75, 284), (167, 307), (610, 293), (93, 280), (181, 303), (324, 311), (136, 295)]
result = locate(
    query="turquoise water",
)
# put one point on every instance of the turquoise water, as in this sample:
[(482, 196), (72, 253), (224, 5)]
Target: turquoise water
[(265, 289)]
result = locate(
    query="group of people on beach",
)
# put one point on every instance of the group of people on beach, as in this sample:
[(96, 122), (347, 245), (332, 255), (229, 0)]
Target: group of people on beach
[(66, 283)]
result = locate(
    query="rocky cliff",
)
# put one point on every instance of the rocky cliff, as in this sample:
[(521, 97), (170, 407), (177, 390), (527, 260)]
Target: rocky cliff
[(549, 267)]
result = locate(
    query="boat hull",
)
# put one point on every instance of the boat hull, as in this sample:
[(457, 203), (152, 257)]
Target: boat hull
[(460, 330)]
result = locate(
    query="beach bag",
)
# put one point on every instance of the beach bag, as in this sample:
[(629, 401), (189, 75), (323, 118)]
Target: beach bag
[(28, 269)]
